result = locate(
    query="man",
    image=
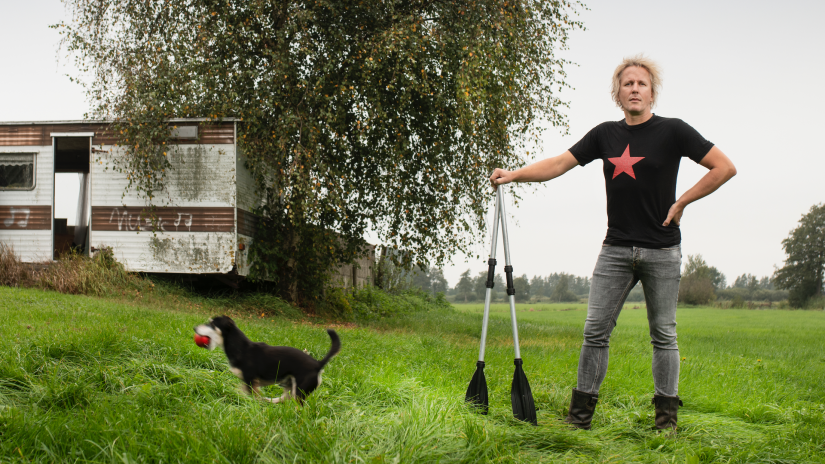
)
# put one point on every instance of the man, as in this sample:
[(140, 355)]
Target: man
[(641, 156)]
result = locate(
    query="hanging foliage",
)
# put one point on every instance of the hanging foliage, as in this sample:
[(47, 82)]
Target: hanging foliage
[(375, 115)]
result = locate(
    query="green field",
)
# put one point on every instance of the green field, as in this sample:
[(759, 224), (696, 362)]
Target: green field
[(90, 380)]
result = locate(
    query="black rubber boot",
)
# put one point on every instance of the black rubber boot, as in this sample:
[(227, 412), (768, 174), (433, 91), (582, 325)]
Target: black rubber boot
[(582, 406), (667, 408)]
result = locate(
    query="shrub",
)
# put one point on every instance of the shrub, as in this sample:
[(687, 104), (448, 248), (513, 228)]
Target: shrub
[(74, 273), (802, 294), (696, 290), (336, 303), (99, 275)]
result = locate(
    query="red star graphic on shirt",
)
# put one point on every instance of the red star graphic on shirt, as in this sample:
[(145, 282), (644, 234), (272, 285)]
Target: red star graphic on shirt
[(625, 163)]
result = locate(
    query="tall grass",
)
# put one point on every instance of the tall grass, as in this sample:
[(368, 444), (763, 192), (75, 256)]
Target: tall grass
[(103, 276), (12, 272), (92, 380), (73, 273)]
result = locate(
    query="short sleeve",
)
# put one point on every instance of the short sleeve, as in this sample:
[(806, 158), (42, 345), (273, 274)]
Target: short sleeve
[(691, 142), (587, 149)]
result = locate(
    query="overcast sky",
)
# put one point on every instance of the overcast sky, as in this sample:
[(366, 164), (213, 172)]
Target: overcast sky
[(747, 75)]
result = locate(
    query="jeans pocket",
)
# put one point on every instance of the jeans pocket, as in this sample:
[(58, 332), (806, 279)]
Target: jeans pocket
[(675, 251)]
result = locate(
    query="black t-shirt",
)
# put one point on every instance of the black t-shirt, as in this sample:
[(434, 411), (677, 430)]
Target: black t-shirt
[(641, 163)]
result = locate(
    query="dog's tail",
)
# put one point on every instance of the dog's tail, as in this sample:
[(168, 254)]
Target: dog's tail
[(334, 349)]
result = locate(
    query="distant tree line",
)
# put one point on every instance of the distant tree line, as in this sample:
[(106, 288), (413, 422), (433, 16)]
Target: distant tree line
[(801, 281), (704, 284), (556, 287)]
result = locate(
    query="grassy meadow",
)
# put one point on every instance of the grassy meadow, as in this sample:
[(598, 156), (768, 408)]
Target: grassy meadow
[(86, 379)]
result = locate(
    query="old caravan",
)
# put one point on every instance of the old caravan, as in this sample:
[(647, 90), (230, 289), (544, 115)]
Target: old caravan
[(203, 220)]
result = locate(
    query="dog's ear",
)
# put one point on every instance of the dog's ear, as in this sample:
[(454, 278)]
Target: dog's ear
[(224, 321)]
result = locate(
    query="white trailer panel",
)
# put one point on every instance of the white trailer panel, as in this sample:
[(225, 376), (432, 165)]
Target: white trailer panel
[(201, 223), (191, 229), (186, 253), (25, 214), (200, 176)]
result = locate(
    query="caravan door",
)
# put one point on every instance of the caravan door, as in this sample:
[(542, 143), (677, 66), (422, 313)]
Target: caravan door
[(72, 179)]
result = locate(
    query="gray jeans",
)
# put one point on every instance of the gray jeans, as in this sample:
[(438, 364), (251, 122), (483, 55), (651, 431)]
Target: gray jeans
[(617, 271)]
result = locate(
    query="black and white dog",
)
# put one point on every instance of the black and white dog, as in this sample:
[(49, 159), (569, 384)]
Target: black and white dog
[(258, 364)]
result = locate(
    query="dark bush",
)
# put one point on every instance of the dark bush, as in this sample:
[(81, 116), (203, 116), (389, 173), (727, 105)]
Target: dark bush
[(696, 290)]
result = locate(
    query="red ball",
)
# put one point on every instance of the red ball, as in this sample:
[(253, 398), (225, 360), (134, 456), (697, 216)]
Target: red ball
[(201, 340)]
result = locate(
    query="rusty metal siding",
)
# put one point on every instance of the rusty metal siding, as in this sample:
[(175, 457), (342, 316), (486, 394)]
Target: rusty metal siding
[(39, 134), (26, 135), (25, 217), (217, 134), (247, 223), (209, 133), (167, 219), (36, 134)]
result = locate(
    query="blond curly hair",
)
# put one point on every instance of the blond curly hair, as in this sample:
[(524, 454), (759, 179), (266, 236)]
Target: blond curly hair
[(640, 61)]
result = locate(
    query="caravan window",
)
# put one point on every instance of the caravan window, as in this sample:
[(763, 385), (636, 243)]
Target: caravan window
[(16, 171)]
